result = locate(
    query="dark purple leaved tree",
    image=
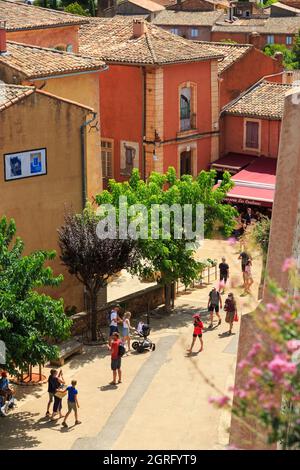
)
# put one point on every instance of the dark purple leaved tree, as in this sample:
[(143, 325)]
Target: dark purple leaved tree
[(92, 260)]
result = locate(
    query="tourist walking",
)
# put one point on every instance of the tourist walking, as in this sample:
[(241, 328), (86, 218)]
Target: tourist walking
[(231, 311), (114, 320), (248, 276), (126, 329), (114, 347), (73, 404), (214, 305), (57, 383), (244, 257), (198, 327), (224, 274)]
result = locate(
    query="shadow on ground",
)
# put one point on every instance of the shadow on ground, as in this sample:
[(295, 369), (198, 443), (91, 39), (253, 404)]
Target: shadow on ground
[(16, 428)]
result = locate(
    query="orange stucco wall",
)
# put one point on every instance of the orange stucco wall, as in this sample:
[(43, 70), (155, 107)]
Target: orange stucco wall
[(244, 38), (37, 204), (245, 72), (48, 37), (233, 136), (122, 109), (200, 74)]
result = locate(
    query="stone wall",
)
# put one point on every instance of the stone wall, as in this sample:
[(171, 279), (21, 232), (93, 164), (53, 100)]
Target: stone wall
[(137, 303)]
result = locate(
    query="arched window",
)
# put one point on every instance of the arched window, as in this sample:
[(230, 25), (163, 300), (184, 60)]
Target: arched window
[(187, 97)]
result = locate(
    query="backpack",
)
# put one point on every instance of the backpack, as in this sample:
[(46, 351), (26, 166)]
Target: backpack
[(122, 350)]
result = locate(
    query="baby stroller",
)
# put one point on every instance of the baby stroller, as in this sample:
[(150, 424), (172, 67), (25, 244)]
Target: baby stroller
[(144, 344)]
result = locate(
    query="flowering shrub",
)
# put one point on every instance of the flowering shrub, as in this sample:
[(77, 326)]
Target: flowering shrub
[(270, 394)]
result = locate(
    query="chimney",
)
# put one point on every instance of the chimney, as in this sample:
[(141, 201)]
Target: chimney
[(279, 57), (255, 39), (139, 28), (3, 49)]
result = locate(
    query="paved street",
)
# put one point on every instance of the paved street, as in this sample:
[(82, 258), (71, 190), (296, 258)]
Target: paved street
[(163, 400)]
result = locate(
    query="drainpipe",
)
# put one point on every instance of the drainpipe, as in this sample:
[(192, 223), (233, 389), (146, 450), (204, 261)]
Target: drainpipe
[(144, 123), (83, 161)]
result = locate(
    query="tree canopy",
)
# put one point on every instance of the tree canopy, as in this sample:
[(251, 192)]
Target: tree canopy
[(173, 257), (29, 320)]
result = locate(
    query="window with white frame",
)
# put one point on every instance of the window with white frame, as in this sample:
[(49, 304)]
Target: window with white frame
[(289, 40), (175, 31), (252, 135), (194, 32), (270, 39), (107, 158)]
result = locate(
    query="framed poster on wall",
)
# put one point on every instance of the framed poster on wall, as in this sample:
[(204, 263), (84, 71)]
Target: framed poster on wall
[(25, 164)]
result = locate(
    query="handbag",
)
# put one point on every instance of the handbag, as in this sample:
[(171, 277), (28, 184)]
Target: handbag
[(236, 317), (60, 394)]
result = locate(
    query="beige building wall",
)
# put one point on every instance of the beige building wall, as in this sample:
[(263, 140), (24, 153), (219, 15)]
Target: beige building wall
[(215, 110), (83, 89), (38, 203), (154, 118)]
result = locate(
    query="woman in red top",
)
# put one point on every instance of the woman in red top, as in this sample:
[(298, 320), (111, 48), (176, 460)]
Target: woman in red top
[(198, 327)]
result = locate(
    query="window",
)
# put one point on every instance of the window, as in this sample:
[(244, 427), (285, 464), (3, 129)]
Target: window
[(187, 96), (289, 40), (107, 158), (174, 31), (194, 33), (252, 135), (270, 39), (70, 48)]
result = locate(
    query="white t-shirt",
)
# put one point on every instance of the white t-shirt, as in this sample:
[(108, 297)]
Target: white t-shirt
[(113, 318)]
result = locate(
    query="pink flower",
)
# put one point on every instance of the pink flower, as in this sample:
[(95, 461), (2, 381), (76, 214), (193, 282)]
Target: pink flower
[(280, 366), (293, 345), (231, 241), (220, 401), (288, 264), (287, 316), (243, 363), (256, 372), (272, 308), (256, 348)]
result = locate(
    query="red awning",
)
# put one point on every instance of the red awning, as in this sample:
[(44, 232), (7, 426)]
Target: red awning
[(255, 185), (233, 162)]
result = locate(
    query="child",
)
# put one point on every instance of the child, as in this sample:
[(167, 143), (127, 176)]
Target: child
[(198, 327), (72, 403), (115, 358)]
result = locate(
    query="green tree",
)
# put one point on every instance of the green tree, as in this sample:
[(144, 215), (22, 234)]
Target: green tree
[(172, 257), (289, 57), (29, 320), (87, 5), (76, 9), (296, 50)]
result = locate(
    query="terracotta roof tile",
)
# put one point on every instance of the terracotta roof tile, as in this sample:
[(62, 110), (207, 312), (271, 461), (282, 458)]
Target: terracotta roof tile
[(112, 40), (38, 62), (146, 4), (231, 52), (187, 18), (271, 25), (266, 101), (11, 94), (20, 16)]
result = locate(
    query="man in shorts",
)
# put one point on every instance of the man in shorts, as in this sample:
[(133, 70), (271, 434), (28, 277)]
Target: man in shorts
[(214, 305), (115, 358), (114, 320), (224, 273)]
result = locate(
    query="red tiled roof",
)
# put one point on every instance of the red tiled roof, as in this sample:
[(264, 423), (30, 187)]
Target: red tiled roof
[(20, 16), (112, 40)]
